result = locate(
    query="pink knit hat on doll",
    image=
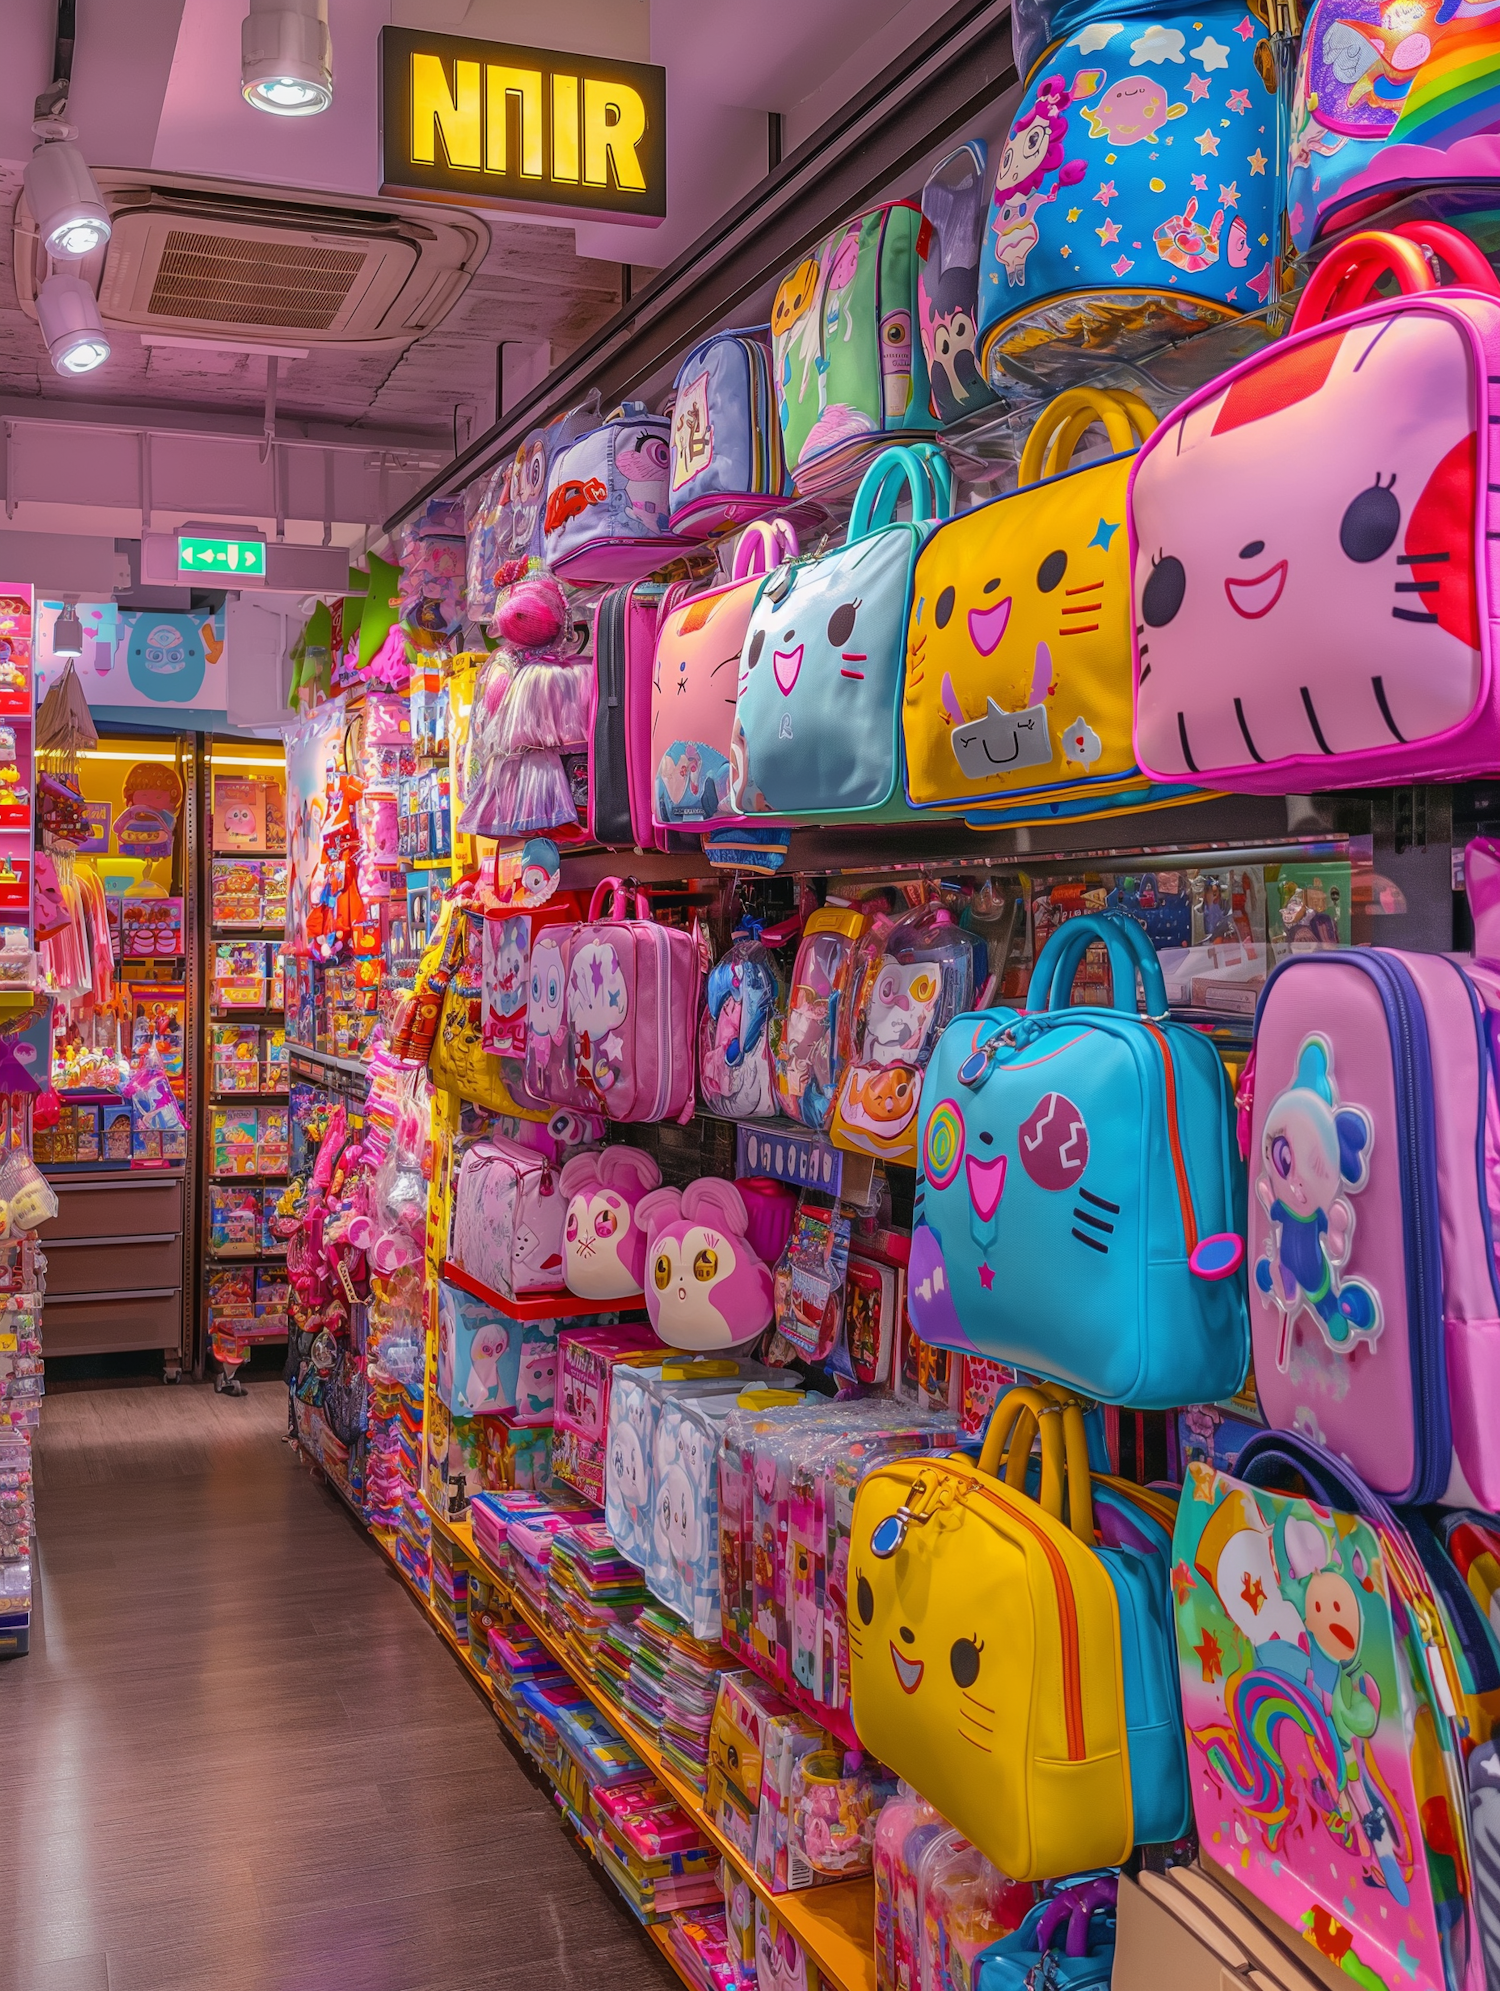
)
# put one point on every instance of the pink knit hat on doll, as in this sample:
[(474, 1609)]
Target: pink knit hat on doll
[(533, 614)]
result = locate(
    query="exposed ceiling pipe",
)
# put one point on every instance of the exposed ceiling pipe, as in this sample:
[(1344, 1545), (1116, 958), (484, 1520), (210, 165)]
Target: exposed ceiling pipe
[(52, 104)]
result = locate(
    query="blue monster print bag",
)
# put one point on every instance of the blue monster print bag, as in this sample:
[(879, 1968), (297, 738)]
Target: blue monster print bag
[(1081, 1201), (817, 713)]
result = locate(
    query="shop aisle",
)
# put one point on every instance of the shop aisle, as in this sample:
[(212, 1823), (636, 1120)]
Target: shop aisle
[(237, 1759)]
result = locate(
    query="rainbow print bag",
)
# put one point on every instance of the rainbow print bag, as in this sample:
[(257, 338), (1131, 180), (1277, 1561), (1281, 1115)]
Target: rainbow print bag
[(1315, 1669), (1135, 199)]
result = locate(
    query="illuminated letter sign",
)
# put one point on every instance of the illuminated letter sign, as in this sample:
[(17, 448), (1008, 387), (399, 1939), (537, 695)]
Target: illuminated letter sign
[(488, 123)]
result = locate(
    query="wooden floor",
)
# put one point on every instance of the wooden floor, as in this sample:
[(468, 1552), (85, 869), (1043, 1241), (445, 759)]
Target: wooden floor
[(238, 1759)]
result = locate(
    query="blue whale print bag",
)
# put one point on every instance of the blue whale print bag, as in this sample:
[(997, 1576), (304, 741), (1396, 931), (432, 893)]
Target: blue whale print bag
[(1081, 1202)]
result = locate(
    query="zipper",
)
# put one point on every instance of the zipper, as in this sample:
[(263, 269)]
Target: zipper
[(1174, 1138), (661, 949), (1067, 1611)]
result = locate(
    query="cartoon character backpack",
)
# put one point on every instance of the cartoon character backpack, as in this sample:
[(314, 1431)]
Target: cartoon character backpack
[(630, 1005), (743, 997), (911, 981), (1135, 198), (696, 678), (707, 1288), (847, 367), (727, 464), (816, 723), (608, 516), (1318, 1683), (953, 207), (1373, 1155), (604, 1245), (1018, 671), (807, 1064), (1081, 1200), (1389, 99), (1342, 606), (508, 1213)]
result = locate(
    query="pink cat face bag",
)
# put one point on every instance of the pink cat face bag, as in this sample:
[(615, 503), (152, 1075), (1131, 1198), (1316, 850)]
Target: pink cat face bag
[(1314, 539)]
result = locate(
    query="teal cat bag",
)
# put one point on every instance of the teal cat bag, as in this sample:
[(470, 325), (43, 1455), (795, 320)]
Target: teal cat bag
[(1080, 1204), (817, 711)]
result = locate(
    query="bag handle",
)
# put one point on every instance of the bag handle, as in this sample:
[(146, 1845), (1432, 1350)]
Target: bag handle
[(924, 473), (1130, 954), (764, 544), (1468, 262), (619, 901), (1062, 424), (1347, 276), (1014, 1423), (1273, 1456)]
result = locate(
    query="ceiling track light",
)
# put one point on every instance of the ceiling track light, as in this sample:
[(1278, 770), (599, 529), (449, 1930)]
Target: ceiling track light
[(286, 57), (65, 200), (67, 630), (68, 313)]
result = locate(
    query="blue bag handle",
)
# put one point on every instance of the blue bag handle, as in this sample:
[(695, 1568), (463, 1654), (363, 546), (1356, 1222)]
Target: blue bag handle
[(924, 472), (1130, 953), (1273, 1455)]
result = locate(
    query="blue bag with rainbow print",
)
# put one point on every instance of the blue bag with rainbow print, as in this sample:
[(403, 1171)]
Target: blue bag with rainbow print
[(1135, 200), (1081, 1199)]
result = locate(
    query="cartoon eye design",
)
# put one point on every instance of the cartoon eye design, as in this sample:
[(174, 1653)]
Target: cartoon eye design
[(606, 1223), (944, 610), (1051, 571), (841, 624), (572, 1228), (964, 1660), (757, 644), (864, 1600), (1371, 522), (1281, 1156), (1165, 587), (895, 330), (661, 1272), (706, 1265)]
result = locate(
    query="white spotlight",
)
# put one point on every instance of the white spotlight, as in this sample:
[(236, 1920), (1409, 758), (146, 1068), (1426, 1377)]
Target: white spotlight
[(65, 199), (67, 631), (68, 313), (286, 57)]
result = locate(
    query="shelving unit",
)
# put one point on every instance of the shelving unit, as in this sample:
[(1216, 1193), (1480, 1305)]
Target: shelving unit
[(538, 1306)]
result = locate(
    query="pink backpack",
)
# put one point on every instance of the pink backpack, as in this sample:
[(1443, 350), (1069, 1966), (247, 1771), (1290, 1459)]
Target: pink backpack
[(629, 1008), (1374, 1161), (1345, 607), (697, 671), (508, 1212), (621, 768)]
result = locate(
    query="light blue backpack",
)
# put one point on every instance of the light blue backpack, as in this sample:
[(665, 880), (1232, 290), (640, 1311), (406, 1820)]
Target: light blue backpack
[(817, 730), (727, 466), (607, 516), (1081, 1199)]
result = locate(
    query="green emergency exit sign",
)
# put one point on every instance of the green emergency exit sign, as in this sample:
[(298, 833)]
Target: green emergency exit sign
[(221, 556)]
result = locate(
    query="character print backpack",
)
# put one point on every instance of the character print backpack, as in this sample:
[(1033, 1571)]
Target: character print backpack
[(607, 515), (1374, 1304), (1319, 1682), (911, 980), (817, 718), (1081, 1200), (953, 207), (807, 1063), (1079, 1721), (727, 465), (696, 678), (1135, 198), (1018, 672), (847, 368), (508, 1212), (620, 1034), (744, 995), (1387, 101), (621, 773), (1343, 607)]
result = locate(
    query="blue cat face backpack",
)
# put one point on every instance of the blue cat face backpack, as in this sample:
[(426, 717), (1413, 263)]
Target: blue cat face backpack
[(1081, 1199)]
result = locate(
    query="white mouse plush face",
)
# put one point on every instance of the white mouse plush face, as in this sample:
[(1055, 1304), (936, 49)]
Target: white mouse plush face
[(627, 1469), (603, 1246)]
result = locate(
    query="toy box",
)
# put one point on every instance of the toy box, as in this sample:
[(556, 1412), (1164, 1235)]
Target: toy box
[(488, 1362)]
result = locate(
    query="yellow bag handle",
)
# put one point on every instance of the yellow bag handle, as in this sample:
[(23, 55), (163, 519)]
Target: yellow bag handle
[(1126, 418), (1065, 1451)]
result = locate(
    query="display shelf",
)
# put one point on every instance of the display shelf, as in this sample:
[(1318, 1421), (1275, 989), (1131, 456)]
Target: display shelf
[(253, 1176), (346, 1067), (834, 1924), (247, 928), (272, 1257), (540, 1306), (247, 1098)]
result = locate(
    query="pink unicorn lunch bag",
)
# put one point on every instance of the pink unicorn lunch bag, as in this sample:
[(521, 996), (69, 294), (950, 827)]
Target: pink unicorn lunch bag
[(1313, 540)]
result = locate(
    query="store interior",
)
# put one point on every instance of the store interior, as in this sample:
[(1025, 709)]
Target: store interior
[(750, 1014)]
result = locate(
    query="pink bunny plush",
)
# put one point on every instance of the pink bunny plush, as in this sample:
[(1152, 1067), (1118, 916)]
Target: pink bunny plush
[(706, 1287), (605, 1246)]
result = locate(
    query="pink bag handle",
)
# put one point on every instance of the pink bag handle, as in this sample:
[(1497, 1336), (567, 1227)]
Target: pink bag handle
[(619, 901), (762, 546)]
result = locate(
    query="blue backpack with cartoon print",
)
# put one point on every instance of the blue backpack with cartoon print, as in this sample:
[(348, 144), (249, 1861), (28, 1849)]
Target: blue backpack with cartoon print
[(1135, 199), (1081, 1199)]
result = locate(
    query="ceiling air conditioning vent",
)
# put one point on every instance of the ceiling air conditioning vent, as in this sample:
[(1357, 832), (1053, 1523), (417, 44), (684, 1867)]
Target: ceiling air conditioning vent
[(208, 260)]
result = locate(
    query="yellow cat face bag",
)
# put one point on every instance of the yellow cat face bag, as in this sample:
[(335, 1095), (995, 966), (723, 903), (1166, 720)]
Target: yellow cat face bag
[(1018, 665)]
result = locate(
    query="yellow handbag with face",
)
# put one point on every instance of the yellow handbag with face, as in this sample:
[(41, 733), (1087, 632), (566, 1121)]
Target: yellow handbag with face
[(1019, 681), (984, 1644)]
